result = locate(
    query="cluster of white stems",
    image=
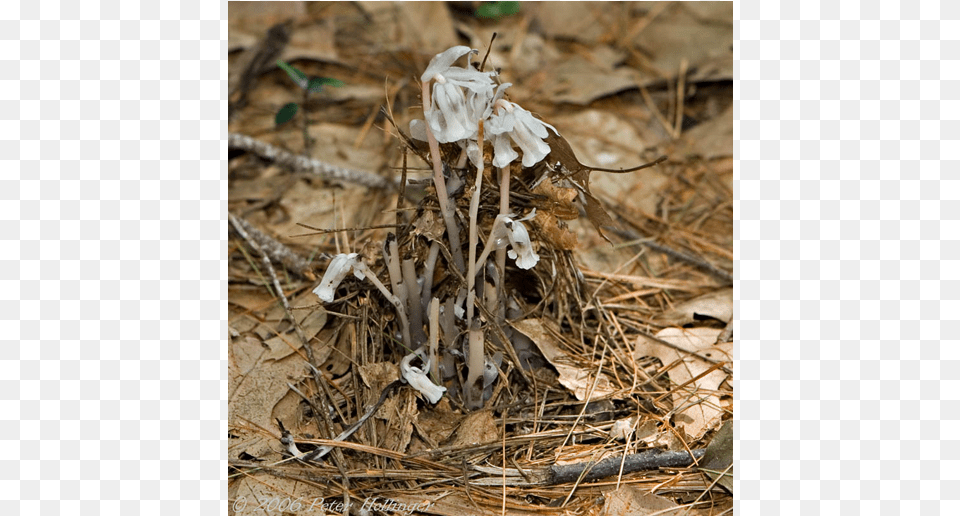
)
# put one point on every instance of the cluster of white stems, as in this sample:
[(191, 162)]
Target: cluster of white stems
[(466, 106)]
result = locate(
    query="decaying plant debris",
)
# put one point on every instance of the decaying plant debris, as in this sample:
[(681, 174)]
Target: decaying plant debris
[(447, 363)]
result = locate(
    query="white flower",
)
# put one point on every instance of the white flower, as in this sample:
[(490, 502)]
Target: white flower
[(441, 69), (503, 153), (462, 97), (522, 250), (511, 122), (507, 230), (338, 269), (417, 378), (447, 115), (444, 60), (453, 113)]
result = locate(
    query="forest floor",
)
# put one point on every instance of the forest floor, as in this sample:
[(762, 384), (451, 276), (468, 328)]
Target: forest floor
[(639, 358)]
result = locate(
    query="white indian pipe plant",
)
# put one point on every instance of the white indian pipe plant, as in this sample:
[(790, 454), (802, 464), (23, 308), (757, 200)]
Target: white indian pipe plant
[(464, 103), (341, 265)]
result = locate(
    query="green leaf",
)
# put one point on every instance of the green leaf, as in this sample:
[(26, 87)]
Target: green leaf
[(497, 9), (296, 75), (286, 113), (317, 83)]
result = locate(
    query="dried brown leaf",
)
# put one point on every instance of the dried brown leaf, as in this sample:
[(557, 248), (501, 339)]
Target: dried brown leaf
[(399, 413), (700, 32), (260, 388), (705, 413), (578, 380), (282, 346), (717, 304), (314, 41), (629, 499), (401, 25), (585, 22), (710, 139), (477, 428), (579, 80), (719, 457)]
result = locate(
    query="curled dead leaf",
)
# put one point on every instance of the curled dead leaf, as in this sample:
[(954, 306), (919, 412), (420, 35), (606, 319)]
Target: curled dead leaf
[(579, 380), (717, 304), (698, 400)]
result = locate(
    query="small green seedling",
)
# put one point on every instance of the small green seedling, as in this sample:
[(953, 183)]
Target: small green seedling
[(309, 85)]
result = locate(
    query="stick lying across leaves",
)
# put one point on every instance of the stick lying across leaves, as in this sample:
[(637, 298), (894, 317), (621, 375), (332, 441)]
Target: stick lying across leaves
[(647, 460), (312, 166), (643, 461), (275, 249)]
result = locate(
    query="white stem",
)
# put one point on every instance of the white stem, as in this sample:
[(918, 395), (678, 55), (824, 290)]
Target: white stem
[(441, 185), (428, 269), (502, 253), (393, 267), (491, 242), (448, 323), (415, 309), (474, 208), (475, 363), (435, 339), (401, 313), (474, 396)]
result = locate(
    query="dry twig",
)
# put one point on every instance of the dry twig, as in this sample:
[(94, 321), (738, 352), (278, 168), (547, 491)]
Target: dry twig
[(312, 166), (238, 225), (276, 250)]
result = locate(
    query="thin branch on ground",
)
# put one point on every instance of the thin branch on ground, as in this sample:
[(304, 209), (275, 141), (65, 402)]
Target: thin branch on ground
[(276, 250), (643, 461), (312, 166), (238, 225)]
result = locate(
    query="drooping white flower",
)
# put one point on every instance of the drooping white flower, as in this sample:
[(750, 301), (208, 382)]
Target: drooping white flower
[(287, 440), (513, 232), (417, 378), (462, 97), (444, 60), (453, 112), (338, 269), (508, 122), (447, 115), (521, 247), (441, 69), (503, 153)]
